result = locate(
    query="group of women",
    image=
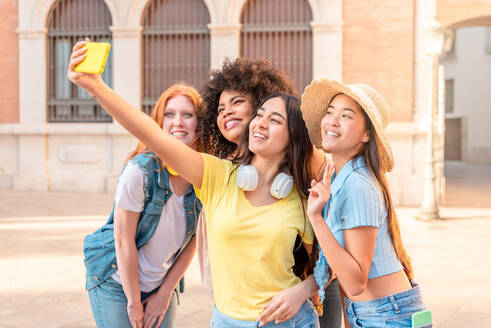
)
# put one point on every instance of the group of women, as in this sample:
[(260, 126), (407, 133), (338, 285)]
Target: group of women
[(242, 173)]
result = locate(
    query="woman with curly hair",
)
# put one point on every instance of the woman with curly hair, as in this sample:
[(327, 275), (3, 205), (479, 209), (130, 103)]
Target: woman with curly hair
[(231, 95), (230, 98)]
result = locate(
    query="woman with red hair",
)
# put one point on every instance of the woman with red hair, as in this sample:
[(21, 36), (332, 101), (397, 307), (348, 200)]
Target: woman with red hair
[(135, 261)]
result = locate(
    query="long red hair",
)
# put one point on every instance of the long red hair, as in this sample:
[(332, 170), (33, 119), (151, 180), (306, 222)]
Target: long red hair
[(158, 112)]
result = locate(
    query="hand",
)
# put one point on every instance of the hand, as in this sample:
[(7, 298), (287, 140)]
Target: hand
[(135, 314), (84, 80), (320, 192), (284, 305), (155, 309)]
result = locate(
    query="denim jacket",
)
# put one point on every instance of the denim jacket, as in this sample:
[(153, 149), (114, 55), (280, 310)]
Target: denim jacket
[(99, 249)]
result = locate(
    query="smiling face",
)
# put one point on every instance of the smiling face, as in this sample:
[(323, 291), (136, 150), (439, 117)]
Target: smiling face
[(343, 128), (268, 131), (234, 111), (180, 120)]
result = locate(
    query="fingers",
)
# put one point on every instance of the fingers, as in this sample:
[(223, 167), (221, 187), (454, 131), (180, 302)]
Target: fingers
[(318, 189), (161, 318), (270, 308), (313, 193), (79, 44), (328, 172), (78, 53), (281, 314), (76, 57), (136, 323), (149, 321), (284, 318)]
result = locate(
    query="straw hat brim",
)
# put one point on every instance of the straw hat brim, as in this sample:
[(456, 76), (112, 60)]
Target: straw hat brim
[(315, 100)]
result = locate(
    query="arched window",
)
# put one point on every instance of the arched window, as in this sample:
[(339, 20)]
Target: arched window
[(279, 30), (176, 46), (70, 21)]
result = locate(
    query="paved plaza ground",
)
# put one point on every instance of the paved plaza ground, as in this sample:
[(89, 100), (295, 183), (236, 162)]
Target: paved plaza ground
[(42, 273)]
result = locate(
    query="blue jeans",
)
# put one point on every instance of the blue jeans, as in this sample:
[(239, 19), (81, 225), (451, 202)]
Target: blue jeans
[(108, 303), (306, 317), (333, 309), (392, 311)]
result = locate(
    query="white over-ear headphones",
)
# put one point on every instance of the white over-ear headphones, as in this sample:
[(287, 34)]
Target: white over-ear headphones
[(247, 179)]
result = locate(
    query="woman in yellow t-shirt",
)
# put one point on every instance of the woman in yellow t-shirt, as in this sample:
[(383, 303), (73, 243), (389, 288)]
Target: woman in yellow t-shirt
[(252, 227)]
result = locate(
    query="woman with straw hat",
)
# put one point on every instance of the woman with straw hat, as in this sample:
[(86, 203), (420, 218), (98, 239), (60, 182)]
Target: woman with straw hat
[(351, 210)]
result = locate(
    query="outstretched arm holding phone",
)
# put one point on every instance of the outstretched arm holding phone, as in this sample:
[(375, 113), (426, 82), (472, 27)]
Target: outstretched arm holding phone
[(187, 162)]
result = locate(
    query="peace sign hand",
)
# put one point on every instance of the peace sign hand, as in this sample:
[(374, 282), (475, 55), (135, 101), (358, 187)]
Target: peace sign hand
[(320, 192)]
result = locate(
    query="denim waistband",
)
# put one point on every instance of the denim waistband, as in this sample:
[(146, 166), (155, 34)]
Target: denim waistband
[(394, 301), (224, 319)]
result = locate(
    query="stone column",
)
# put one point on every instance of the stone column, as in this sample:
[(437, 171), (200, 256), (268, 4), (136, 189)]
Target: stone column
[(31, 171), (127, 82), (434, 37), (127, 70), (224, 42), (328, 50)]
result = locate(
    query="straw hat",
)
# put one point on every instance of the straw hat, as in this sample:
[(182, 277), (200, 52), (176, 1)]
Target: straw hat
[(319, 93)]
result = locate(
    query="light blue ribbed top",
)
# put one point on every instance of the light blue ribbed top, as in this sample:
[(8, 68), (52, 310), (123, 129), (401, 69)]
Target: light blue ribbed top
[(356, 200)]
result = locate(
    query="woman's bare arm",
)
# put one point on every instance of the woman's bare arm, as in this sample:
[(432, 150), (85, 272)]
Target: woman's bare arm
[(184, 160), (125, 223)]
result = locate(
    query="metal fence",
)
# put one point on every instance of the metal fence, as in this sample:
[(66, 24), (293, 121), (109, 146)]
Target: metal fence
[(176, 46), (279, 30), (70, 21)]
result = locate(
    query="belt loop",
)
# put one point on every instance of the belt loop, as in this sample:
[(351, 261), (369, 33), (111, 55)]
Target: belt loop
[(394, 303)]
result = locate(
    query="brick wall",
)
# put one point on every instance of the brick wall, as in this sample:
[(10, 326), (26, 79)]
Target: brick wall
[(378, 49), (9, 63)]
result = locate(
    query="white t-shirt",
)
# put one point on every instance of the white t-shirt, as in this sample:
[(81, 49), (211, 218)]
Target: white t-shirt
[(157, 256)]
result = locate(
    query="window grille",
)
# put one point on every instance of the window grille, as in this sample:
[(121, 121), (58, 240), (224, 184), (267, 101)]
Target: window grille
[(279, 30), (70, 21), (176, 46)]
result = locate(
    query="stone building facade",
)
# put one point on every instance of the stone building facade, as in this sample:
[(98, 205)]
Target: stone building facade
[(381, 43)]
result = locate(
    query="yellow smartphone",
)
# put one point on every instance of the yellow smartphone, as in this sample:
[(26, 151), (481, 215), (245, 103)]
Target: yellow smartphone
[(95, 59)]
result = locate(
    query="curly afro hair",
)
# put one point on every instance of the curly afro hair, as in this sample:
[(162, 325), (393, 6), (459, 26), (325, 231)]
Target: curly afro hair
[(256, 77)]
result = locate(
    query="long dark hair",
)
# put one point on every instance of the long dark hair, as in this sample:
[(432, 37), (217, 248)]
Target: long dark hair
[(296, 162), (371, 154)]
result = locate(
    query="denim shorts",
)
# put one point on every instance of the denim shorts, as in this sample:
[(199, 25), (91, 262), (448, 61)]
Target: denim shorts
[(392, 311), (306, 317)]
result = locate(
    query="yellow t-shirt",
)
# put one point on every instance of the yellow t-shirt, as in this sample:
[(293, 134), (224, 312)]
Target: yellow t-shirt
[(250, 247)]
